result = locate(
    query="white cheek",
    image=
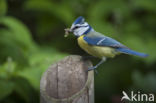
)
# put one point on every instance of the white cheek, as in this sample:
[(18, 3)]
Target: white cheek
[(80, 31)]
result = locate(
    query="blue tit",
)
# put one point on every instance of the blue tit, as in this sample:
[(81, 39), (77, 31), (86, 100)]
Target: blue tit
[(97, 44)]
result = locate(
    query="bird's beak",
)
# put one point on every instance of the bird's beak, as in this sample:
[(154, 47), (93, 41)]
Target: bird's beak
[(71, 30)]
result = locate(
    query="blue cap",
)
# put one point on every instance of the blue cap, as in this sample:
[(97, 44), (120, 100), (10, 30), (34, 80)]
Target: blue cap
[(79, 20)]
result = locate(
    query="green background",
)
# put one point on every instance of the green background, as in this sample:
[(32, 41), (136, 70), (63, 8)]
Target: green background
[(32, 38)]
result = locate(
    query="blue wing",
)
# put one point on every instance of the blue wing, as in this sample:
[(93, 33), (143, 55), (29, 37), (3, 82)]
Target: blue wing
[(103, 41), (109, 42)]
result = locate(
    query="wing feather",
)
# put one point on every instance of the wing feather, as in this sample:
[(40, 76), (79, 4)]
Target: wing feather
[(103, 41)]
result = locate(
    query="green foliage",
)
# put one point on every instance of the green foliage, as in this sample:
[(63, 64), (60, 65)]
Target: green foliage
[(145, 82), (6, 88), (60, 10), (17, 29), (3, 7), (146, 4), (22, 61), (31, 39)]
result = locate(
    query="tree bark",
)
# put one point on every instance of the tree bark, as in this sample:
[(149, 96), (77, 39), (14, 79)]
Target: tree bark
[(68, 81)]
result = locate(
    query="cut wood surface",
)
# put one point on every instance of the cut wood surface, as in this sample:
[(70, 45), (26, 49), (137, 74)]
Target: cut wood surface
[(68, 81)]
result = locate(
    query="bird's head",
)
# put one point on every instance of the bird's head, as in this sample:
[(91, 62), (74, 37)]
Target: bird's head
[(80, 27)]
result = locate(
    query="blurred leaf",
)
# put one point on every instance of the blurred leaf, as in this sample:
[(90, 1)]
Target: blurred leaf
[(40, 61), (3, 7), (7, 69), (33, 75), (24, 89), (60, 10), (6, 88), (146, 4), (19, 32), (46, 56), (101, 11), (10, 48)]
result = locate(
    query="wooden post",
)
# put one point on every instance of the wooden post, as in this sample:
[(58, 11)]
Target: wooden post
[(68, 81)]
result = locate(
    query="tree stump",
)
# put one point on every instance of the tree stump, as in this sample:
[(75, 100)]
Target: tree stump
[(68, 81)]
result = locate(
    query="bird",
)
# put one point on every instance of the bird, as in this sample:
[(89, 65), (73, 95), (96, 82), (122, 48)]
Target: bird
[(97, 44)]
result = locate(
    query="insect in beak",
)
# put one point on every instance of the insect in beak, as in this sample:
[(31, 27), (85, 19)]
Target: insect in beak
[(67, 31)]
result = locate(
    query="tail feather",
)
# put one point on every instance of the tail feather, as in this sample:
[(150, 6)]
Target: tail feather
[(131, 52)]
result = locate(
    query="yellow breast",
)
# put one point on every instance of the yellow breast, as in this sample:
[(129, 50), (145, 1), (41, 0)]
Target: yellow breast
[(97, 51)]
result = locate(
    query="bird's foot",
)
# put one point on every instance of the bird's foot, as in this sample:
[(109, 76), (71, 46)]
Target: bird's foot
[(93, 68)]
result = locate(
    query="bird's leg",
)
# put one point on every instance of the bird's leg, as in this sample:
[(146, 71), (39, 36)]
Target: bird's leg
[(94, 67)]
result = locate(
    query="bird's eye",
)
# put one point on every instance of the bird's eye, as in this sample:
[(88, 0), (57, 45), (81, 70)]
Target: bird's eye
[(76, 27)]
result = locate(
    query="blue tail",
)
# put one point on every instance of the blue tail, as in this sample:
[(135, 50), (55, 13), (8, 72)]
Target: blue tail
[(131, 52)]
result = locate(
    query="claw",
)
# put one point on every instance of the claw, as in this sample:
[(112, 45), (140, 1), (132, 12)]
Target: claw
[(93, 68)]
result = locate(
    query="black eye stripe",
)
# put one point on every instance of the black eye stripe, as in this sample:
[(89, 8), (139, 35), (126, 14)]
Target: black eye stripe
[(75, 27), (79, 26)]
